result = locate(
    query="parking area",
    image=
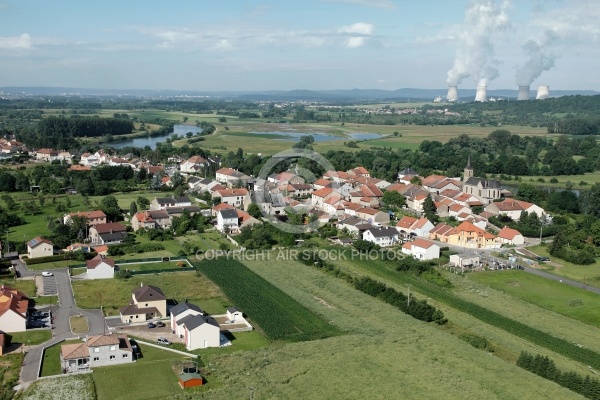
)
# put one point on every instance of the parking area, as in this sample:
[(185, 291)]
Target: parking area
[(49, 285), (150, 334), (39, 320)]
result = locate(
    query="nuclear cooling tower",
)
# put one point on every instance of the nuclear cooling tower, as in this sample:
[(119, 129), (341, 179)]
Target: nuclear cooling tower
[(481, 94), (523, 93), (543, 92), (452, 93)]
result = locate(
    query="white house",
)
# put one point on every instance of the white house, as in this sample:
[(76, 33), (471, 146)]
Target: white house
[(422, 249), (227, 220), (39, 247), (510, 236), (383, 237), (422, 227), (193, 165), (96, 351), (231, 177), (234, 197), (100, 268), (200, 332), (162, 203), (234, 314), (179, 312), (513, 208)]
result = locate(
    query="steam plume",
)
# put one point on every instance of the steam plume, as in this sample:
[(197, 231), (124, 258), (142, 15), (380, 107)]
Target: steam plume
[(475, 52), (540, 59)]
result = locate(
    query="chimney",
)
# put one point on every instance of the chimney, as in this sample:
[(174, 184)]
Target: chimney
[(452, 93), (481, 94), (543, 92), (523, 93), (141, 284)]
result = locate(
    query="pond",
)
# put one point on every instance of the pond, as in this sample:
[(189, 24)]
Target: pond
[(180, 130)]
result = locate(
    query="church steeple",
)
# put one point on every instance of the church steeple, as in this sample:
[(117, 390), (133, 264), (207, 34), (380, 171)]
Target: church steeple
[(468, 173)]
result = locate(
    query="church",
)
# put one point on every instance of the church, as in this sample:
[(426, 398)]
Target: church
[(485, 190)]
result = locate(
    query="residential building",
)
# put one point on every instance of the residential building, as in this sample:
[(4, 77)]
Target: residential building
[(96, 351), (383, 237), (151, 219), (359, 171), (373, 216), (39, 247), (162, 203), (407, 172), (510, 236), (193, 165), (405, 224), (147, 302), (227, 220), (354, 226), (422, 227), (214, 211), (422, 249), (93, 218), (470, 236), (181, 311), (367, 195), (440, 232), (200, 332), (100, 267), (231, 177), (513, 208), (47, 155), (298, 190), (464, 260), (235, 197), (14, 306), (111, 233), (90, 160)]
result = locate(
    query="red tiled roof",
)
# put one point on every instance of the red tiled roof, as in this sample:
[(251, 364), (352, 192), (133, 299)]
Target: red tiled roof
[(508, 233), (422, 243), (94, 262), (406, 222)]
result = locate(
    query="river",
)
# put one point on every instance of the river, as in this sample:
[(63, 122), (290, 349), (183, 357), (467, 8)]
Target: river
[(515, 188), (151, 141)]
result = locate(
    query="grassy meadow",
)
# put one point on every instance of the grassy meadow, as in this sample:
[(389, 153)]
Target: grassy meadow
[(175, 285), (589, 274)]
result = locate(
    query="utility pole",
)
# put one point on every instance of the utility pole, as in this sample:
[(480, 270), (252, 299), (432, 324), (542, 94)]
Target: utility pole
[(7, 243), (408, 297)]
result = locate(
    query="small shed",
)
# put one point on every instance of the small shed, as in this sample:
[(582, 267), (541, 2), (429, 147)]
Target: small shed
[(234, 314), (465, 259), (188, 380)]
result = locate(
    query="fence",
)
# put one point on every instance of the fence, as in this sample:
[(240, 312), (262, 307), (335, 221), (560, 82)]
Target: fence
[(158, 271)]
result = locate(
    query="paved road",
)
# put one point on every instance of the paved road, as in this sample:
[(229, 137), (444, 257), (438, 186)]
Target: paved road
[(22, 268), (562, 280), (61, 328)]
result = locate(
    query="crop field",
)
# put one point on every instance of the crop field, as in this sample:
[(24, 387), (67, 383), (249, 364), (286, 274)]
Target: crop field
[(278, 315), (567, 300), (179, 286), (589, 274), (390, 353)]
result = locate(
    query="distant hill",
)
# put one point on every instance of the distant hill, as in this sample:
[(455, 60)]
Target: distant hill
[(350, 95)]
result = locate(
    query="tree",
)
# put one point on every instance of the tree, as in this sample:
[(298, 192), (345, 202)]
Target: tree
[(254, 210), (393, 199), (557, 248), (430, 210), (10, 202), (110, 206), (142, 202), (176, 179), (133, 209), (7, 182)]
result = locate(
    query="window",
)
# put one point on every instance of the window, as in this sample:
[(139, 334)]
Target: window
[(96, 358), (125, 355), (113, 348), (96, 349), (112, 357), (137, 316), (146, 305)]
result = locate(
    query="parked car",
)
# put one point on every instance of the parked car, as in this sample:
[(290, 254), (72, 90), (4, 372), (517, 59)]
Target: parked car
[(163, 341), (151, 325), (46, 273), (542, 259), (160, 324), (520, 267)]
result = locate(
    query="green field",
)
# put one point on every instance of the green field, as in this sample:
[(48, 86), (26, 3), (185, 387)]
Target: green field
[(276, 314), (392, 354), (26, 286), (563, 299), (31, 337), (589, 274), (178, 286)]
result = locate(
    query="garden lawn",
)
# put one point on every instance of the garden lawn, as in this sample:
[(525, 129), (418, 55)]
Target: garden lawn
[(45, 300), (52, 265), (10, 364), (51, 359), (78, 324), (116, 293), (241, 341), (80, 387), (545, 293), (32, 336), (589, 274), (151, 377), (26, 286)]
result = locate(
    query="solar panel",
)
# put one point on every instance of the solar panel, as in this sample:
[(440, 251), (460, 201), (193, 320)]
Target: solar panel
[(33, 241)]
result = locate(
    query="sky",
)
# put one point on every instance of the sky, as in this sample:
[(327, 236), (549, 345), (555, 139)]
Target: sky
[(233, 45)]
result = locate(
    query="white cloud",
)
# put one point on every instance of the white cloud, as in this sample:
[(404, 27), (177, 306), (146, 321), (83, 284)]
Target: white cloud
[(355, 42), (16, 42), (360, 28)]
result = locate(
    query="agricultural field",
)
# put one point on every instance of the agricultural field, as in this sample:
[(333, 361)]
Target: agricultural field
[(277, 315), (79, 387), (589, 274), (425, 359), (116, 293)]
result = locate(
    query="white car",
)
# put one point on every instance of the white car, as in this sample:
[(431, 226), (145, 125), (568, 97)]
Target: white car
[(46, 273)]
